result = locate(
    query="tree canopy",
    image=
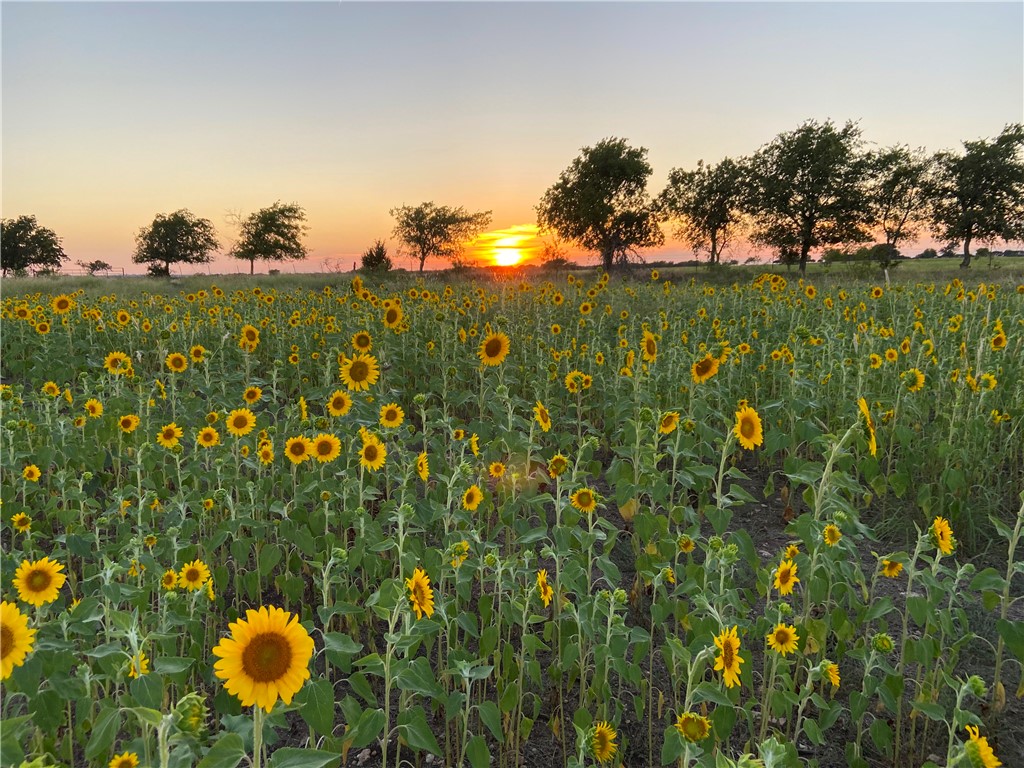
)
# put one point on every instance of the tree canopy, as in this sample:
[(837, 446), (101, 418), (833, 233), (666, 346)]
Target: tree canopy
[(978, 195), (705, 205), (805, 189), (600, 202), (272, 234), (27, 245), (898, 192), (175, 238), (436, 230)]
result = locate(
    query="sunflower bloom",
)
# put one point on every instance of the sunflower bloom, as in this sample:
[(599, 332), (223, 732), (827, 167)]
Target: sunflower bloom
[(748, 429), (326, 447), (584, 500), (421, 596), (266, 657), (942, 535), (31, 473), (494, 349), (124, 760), (298, 449), (18, 639), (540, 413), (176, 362), (785, 577), (94, 408), (783, 639), (557, 465), (169, 580), (668, 423), (891, 569), (693, 727), (978, 750), (359, 372), (208, 437), (241, 422), (872, 442), (117, 363), (169, 435), (38, 582), (138, 665), (831, 535), (340, 403), (391, 416), (728, 661), (702, 370), (832, 672), (128, 423), (602, 742), (423, 466), (649, 345), (543, 588), (472, 497), (193, 575)]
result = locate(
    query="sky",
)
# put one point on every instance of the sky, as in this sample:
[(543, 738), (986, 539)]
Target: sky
[(113, 113)]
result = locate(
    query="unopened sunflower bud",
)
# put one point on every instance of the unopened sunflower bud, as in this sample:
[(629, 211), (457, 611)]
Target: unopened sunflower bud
[(715, 544), (620, 596), (977, 686), (882, 643)]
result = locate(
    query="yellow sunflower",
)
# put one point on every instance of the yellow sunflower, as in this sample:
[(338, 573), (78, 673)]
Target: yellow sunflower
[(785, 577), (18, 639), (748, 428), (557, 465), (650, 347), (169, 435), (362, 341), (496, 470), (176, 362), (241, 422), (266, 657), (340, 403), (359, 372), (540, 413), (326, 447), (138, 665), (832, 672), (124, 760), (421, 596), (493, 349), (872, 441), (393, 316), (423, 466), (94, 408), (891, 569), (472, 497), (208, 437), (942, 535), (298, 449), (391, 415), (21, 522), (373, 453), (62, 304), (252, 395), (693, 727), (544, 589), (128, 423), (915, 380), (50, 388), (729, 660), (783, 639), (117, 363), (584, 500), (193, 575), (978, 750), (668, 423), (249, 338), (602, 740), (998, 342), (169, 580), (198, 353), (704, 369), (31, 473), (38, 582), (831, 535)]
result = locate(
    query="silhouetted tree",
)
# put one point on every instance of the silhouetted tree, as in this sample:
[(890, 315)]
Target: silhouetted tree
[(430, 230), (272, 234), (705, 205), (600, 202), (376, 259), (897, 191), (92, 267), (26, 245), (175, 238)]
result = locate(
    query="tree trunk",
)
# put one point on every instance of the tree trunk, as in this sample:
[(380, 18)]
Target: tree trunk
[(714, 248), (423, 259), (805, 248), (607, 255), (967, 252), (252, 266)]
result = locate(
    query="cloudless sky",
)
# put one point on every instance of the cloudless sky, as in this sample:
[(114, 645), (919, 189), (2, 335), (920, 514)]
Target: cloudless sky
[(114, 112)]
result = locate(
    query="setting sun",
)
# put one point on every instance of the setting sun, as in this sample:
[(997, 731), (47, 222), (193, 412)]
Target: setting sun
[(507, 247)]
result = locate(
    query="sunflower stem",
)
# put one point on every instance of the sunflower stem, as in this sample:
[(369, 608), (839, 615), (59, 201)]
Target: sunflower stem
[(257, 736)]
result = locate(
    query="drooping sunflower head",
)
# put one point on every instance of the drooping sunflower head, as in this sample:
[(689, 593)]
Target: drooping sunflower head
[(602, 742), (38, 582), (16, 638), (544, 589), (942, 535), (891, 568), (326, 447), (265, 658), (783, 639), (557, 465), (421, 596), (693, 727), (494, 349), (832, 673), (748, 428), (978, 750), (241, 422)]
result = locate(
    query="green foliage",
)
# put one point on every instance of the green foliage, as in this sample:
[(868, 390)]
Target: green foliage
[(272, 234), (600, 202), (28, 246), (705, 205), (97, 265), (176, 238), (376, 259), (430, 230), (898, 192)]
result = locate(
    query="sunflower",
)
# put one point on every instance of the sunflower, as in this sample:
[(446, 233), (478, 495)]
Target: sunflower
[(704, 369), (875, 360), (832, 671), (472, 497), (326, 447), (391, 415), (891, 569), (544, 589), (978, 751), (831, 535), (872, 442), (557, 465), (138, 665), (602, 739), (423, 466), (249, 338), (460, 553), (693, 727), (792, 551), (169, 435), (298, 449), (50, 388), (876, 292), (169, 580), (266, 452), (496, 470), (128, 423), (493, 349), (668, 423), (942, 535), (584, 500), (393, 316), (117, 363), (62, 304), (540, 413), (124, 760), (39, 582), (915, 380), (266, 657), (340, 403), (362, 341), (22, 522), (31, 473), (198, 353), (891, 355), (686, 544), (176, 362), (748, 428), (16, 639), (729, 660), (783, 639), (42, 328), (359, 372), (193, 575), (421, 596), (94, 408), (241, 422), (650, 347), (252, 395), (998, 342), (208, 437), (785, 577), (373, 453)]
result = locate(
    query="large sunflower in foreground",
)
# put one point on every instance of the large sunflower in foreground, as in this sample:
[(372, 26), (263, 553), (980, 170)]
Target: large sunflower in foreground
[(266, 657), (748, 428), (16, 639), (978, 750), (728, 661), (326, 447), (421, 596), (493, 349), (359, 372), (602, 742), (39, 582)]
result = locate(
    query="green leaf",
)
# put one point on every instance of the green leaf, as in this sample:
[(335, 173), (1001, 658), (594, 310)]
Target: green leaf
[(711, 692), (151, 717), (490, 717), (226, 753), (412, 723), (932, 710), (270, 556), (418, 677), (1012, 633), (672, 747), (317, 700), (477, 752), (289, 757), (918, 607), (172, 665), (988, 579), (104, 731), (369, 727), (813, 732)]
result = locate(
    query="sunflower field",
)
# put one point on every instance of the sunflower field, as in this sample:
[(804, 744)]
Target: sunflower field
[(492, 522)]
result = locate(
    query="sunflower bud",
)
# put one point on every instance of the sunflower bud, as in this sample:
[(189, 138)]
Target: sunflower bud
[(419, 400), (882, 643), (785, 609), (977, 686)]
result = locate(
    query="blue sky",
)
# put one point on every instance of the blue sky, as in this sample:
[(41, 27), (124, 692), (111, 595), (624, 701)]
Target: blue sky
[(114, 112)]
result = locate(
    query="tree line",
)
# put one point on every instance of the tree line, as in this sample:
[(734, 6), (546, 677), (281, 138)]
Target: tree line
[(815, 187)]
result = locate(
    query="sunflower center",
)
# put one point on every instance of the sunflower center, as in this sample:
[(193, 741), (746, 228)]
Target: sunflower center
[(703, 367), (267, 657), (493, 348), (390, 414), (651, 347), (391, 316), (38, 581), (297, 449), (782, 637), (585, 499), (358, 371), (6, 641), (240, 422), (324, 447), (727, 655), (337, 403), (747, 428), (192, 574), (370, 453), (168, 434), (362, 341)]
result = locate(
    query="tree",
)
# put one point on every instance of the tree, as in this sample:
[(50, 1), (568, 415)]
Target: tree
[(176, 238), (27, 245), (805, 189), (376, 259), (272, 234), (898, 192), (705, 204), (432, 230), (979, 195), (92, 267), (600, 202)]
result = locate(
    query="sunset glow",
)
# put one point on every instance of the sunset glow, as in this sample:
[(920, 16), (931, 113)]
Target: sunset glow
[(507, 247)]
